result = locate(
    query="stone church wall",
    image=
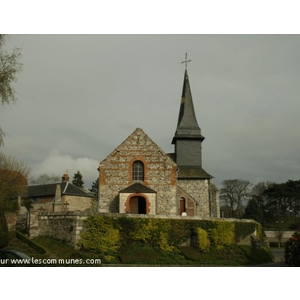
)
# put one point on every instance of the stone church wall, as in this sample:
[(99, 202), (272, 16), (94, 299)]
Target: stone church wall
[(198, 189), (214, 200), (116, 173)]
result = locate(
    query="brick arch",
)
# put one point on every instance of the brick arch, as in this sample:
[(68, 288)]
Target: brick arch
[(142, 159), (137, 195)]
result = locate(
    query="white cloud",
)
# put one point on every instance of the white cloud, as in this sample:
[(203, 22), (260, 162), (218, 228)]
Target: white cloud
[(57, 163)]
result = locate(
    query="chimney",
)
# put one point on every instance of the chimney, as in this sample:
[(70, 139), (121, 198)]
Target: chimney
[(65, 178), (57, 197)]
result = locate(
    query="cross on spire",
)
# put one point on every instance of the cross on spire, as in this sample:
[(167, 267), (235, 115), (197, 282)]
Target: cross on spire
[(186, 61)]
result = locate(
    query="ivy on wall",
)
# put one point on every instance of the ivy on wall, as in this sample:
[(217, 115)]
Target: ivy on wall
[(101, 235), (105, 234), (203, 241), (221, 234)]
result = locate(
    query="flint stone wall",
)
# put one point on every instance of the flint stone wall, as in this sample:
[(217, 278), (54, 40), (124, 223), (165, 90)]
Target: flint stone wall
[(64, 226), (199, 190), (159, 171)]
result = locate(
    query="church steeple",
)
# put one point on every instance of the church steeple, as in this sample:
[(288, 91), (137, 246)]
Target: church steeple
[(187, 126), (188, 139)]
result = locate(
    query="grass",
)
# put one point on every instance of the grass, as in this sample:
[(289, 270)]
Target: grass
[(228, 256), (143, 254), (56, 250), (16, 244)]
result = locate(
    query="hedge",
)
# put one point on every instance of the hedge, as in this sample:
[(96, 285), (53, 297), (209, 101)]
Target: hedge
[(107, 234)]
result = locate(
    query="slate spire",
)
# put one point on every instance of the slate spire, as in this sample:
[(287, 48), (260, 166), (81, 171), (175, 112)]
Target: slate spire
[(187, 125), (188, 139)]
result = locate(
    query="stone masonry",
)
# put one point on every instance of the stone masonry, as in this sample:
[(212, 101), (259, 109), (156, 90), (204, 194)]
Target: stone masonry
[(159, 174)]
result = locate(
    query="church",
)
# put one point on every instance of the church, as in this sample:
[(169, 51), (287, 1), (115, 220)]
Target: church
[(138, 177)]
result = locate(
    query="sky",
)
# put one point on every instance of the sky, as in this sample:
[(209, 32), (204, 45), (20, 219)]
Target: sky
[(80, 96)]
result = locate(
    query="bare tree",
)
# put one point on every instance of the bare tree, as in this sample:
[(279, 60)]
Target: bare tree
[(45, 178), (13, 181), (13, 178), (234, 196), (9, 67)]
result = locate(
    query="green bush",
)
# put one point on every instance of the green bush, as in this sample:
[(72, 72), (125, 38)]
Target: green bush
[(107, 235), (179, 231), (101, 236), (203, 242), (292, 250), (222, 234), (162, 233), (146, 231)]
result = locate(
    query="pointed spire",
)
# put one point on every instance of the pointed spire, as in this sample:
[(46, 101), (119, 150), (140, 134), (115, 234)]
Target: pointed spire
[(187, 126)]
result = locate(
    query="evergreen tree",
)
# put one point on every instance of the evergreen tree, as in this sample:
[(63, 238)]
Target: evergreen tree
[(77, 180), (283, 202), (253, 211), (94, 190)]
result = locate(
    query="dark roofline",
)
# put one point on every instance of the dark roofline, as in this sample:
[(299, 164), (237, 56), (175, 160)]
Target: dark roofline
[(43, 190), (187, 172), (137, 188)]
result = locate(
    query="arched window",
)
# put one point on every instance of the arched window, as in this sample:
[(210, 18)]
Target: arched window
[(138, 171)]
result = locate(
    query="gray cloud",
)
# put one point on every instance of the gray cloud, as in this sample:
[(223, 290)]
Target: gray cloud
[(80, 96)]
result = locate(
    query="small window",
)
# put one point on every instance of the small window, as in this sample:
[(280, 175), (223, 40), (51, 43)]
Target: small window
[(182, 205), (138, 171)]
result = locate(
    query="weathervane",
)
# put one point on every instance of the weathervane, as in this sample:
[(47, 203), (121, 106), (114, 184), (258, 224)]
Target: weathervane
[(186, 61)]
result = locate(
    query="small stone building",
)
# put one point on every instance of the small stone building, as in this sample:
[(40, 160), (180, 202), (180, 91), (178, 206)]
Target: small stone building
[(56, 197), (139, 177)]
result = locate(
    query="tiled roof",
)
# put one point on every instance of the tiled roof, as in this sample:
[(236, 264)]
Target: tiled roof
[(43, 190), (192, 173), (137, 188)]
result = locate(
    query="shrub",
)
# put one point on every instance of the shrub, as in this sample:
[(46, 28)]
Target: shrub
[(179, 231), (222, 234), (145, 230), (101, 236), (292, 250), (164, 242), (153, 232), (107, 234), (202, 240)]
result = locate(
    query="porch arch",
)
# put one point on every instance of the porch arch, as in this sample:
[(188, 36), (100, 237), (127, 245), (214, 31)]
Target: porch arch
[(137, 204)]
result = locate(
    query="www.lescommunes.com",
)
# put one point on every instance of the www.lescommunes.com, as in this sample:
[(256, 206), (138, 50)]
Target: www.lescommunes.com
[(49, 261)]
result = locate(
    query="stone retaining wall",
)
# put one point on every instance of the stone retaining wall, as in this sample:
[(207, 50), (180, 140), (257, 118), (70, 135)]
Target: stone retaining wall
[(68, 226)]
